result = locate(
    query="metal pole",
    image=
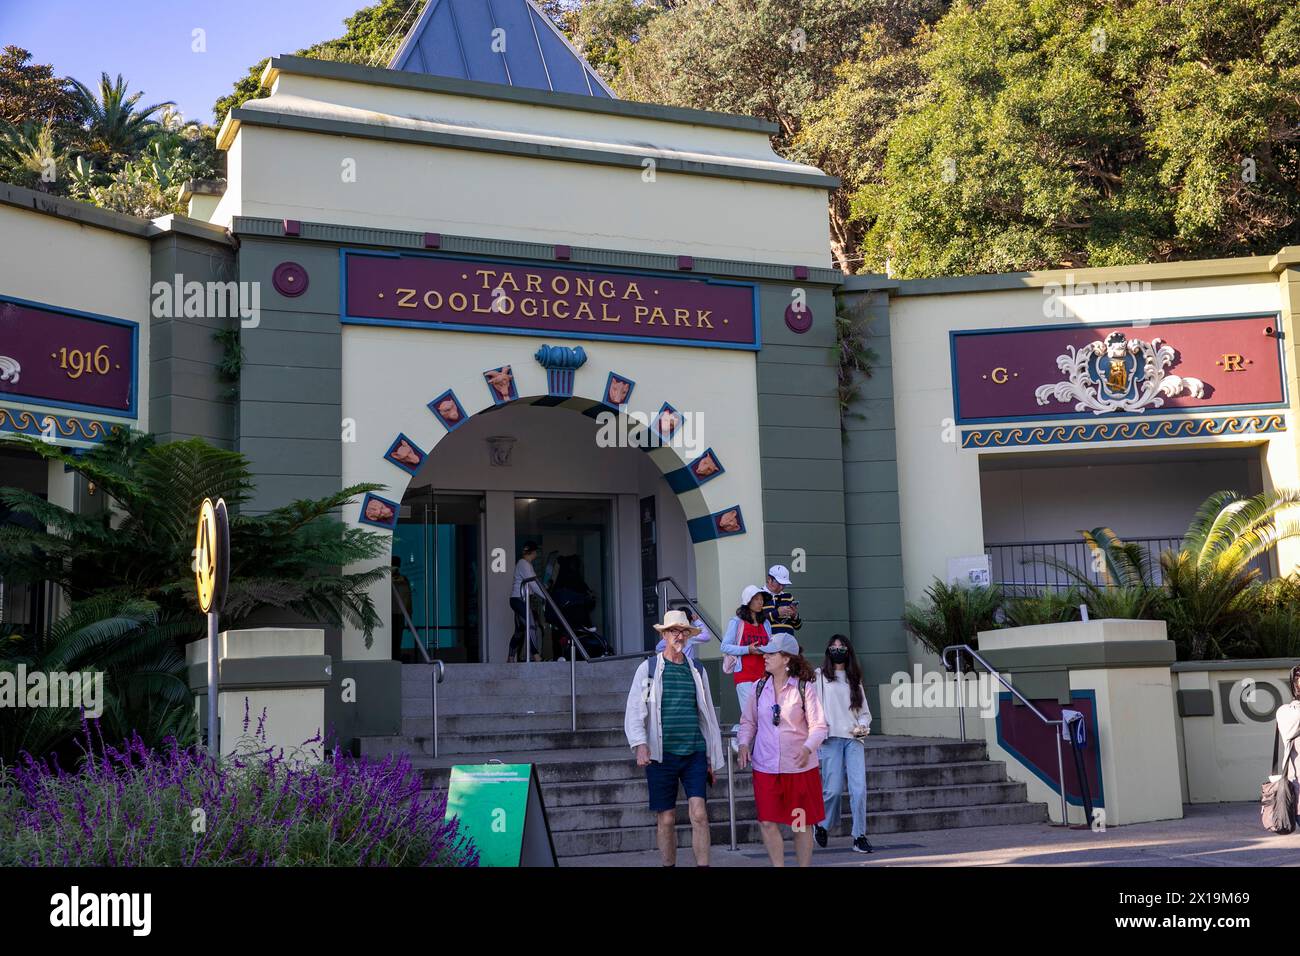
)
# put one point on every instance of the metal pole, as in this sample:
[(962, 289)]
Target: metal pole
[(528, 624), (961, 711), (1060, 775), (214, 745), (573, 684), (437, 679), (731, 795)]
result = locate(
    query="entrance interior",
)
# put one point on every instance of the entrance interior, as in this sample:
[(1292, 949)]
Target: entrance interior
[(468, 512)]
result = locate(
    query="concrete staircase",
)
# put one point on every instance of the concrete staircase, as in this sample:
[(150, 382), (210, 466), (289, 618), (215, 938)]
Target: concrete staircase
[(595, 795)]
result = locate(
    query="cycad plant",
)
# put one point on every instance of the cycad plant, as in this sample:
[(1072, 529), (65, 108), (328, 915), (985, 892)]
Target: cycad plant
[(1211, 600), (1122, 584), (952, 614), (115, 124)]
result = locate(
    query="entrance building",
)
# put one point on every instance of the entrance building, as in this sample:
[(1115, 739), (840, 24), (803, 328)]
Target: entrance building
[(533, 312)]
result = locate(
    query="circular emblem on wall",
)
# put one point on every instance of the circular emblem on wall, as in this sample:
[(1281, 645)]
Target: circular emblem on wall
[(289, 279), (799, 319)]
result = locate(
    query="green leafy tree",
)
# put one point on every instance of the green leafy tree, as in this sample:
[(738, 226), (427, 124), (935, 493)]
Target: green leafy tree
[(31, 155), (1068, 133), (31, 93), (776, 59)]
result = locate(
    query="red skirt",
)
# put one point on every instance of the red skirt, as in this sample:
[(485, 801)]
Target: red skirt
[(794, 799)]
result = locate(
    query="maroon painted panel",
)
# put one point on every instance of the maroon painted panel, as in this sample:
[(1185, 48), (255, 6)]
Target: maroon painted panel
[(457, 293), (67, 359), (1236, 362)]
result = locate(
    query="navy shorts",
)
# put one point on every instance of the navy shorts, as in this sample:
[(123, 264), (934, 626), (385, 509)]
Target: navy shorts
[(691, 769)]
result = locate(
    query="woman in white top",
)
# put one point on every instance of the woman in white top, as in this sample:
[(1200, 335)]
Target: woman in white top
[(842, 755), (1288, 725)]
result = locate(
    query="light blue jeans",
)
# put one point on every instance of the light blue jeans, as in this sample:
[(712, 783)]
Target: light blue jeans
[(844, 760)]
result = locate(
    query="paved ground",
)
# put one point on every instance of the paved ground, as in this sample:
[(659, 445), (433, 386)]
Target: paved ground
[(1223, 834)]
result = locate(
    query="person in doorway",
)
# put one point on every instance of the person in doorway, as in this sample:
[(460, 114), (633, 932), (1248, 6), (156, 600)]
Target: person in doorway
[(1288, 725), (703, 636), (842, 756), (780, 608), (519, 593), (402, 594), (746, 633), (784, 726), (672, 728)]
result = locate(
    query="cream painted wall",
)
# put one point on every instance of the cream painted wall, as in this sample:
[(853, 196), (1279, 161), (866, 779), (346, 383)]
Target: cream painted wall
[(939, 484), (390, 374), (111, 278), (299, 175)]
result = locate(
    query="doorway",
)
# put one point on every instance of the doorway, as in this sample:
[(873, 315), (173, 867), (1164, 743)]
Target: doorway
[(439, 544), (573, 538)]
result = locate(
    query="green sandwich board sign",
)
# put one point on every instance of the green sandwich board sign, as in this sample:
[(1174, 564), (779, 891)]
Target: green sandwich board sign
[(499, 806)]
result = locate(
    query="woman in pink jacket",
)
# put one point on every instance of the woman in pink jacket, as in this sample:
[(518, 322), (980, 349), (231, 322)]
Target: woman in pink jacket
[(783, 724)]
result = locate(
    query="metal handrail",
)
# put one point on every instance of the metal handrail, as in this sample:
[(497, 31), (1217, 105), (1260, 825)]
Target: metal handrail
[(439, 670), (961, 712), (575, 645), (419, 644), (669, 579)]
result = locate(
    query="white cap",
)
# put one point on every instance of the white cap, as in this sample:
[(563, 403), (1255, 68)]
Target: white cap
[(780, 573), (747, 595)]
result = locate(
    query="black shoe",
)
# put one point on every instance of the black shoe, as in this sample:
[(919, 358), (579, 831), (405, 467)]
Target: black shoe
[(860, 845), (819, 834)]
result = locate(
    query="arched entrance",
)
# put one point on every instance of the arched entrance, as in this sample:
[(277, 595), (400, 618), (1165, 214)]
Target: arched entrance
[(605, 519), (437, 392)]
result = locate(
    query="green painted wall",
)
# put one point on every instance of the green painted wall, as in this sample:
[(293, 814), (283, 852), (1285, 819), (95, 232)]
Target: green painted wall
[(187, 398), (801, 457), (875, 585)]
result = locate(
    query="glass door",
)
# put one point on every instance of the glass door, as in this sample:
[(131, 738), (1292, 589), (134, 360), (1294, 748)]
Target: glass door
[(438, 543), (573, 560)]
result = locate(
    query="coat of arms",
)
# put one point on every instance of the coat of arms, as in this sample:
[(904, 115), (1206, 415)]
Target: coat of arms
[(1118, 375)]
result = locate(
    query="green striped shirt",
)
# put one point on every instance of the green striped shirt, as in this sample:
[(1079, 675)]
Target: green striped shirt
[(679, 713)]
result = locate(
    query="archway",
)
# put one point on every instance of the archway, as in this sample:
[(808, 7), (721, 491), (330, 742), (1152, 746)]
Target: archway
[(434, 386)]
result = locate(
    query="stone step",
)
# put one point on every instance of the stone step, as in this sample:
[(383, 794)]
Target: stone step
[(636, 814), (486, 746), (551, 718), (513, 687), (635, 839), (615, 761), (622, 670), (633, 789), (516, 705)]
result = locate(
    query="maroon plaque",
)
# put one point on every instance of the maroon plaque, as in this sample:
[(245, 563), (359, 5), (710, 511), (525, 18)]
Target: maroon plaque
[(69, 359), (1089, 371), (487, 296)]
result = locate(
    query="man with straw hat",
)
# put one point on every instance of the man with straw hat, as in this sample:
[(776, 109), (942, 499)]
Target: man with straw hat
[(672, 728)]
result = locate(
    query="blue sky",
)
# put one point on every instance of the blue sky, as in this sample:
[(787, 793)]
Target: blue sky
[(150, 41)]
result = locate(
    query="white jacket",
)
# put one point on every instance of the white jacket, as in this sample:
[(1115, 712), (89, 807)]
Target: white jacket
[(642, 722)]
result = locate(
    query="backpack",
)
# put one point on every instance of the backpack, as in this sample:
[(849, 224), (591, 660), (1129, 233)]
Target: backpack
[(1277, 809), (654, 666), (762, 682)]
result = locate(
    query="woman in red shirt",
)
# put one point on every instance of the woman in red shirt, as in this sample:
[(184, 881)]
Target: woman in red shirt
[(746, 633)]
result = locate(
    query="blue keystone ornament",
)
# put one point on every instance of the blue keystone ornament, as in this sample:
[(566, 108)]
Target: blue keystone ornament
[(560, 363)]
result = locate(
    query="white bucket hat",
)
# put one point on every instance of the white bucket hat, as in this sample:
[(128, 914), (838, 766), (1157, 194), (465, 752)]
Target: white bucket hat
[(676, 619), (747, 595)]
